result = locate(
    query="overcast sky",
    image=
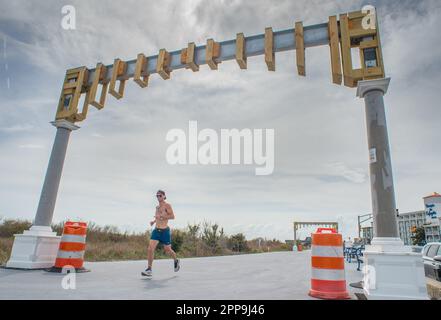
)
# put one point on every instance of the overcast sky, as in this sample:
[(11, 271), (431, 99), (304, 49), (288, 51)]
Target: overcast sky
[(116, 161)]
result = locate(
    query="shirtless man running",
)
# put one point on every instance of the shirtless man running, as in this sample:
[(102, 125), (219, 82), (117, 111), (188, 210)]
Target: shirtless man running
[(161, 233)]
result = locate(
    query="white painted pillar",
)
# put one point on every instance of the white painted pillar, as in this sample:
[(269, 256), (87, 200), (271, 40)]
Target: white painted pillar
[(37, 247), (392, 270)]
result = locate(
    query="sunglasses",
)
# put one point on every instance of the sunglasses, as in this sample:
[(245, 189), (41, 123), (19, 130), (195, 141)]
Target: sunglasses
[(159, 195)]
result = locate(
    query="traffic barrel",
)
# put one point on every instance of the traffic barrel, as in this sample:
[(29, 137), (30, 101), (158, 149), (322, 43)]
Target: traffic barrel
[(328, 266), (72, 247)]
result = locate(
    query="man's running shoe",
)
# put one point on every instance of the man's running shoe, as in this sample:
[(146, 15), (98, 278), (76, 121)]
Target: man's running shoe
[(177, 266), (147, 272)]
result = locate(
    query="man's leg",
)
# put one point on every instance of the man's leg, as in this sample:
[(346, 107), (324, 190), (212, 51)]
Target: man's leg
[(168, 249), (151, 252), (171, 253)]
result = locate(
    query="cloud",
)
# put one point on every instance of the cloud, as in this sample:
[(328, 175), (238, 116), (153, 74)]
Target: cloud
[(340, 169), (31, 146), (17, 128)]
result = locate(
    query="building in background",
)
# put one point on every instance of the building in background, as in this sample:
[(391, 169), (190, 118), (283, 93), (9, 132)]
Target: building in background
[(365, 228), (432, 207), (367, 233), (429, 219), (406, 223), (432, 233)]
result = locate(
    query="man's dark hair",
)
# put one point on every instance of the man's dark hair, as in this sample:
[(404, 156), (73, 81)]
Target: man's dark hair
[(162, 192)]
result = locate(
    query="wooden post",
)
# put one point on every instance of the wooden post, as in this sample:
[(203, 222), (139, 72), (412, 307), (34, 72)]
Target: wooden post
[(240, 51), (119, 69), (188, 57), (141, 71), (163, 65), (270, 57), (300, 48), (334, 44), (212, 51)]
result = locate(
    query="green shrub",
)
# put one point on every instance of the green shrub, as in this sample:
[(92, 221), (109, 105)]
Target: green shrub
[(211, 236), (108, 243), (9, 227), (177, 240), (238, 243), (5, 249)]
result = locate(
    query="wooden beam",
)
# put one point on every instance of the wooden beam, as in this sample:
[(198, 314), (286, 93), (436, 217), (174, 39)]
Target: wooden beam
[(74, 84), (334, 44), (184, 56), (300, 48), (99, 76), (270, 57), (240, 51), (380, 63), (191, 57), (188, 57), (212, 51), (119, 69), (346, 56), (141, 71), (163, 65)]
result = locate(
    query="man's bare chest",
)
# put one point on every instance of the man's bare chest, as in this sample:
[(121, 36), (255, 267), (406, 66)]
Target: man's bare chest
[(161, 210)]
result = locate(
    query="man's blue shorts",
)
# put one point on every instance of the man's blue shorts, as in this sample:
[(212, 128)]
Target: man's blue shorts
[(162, 235)]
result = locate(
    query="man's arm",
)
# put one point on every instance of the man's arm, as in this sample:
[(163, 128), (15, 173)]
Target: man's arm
[(170, 215)]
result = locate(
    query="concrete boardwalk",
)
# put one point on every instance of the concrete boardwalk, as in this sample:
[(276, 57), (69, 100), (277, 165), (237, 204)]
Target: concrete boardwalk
[(277, 275)]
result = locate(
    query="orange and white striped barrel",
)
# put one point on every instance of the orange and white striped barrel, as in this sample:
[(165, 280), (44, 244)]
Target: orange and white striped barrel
[(72, 245), (328, 265)]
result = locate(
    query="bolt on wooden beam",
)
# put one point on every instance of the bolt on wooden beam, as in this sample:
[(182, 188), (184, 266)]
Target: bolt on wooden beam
[(240, 51), (212, 51), (334, 45), (270, 57), (163, 65), (300, 48), (119, 69), (141, 71)]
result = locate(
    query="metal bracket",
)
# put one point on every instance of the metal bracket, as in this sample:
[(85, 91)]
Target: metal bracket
[(188, 57), (212, 51), (119, 69), (163, 65), (270, 56), (141, 71), (240, 51)]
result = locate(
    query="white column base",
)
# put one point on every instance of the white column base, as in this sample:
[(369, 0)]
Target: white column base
[(393, 272), (36, 248)]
